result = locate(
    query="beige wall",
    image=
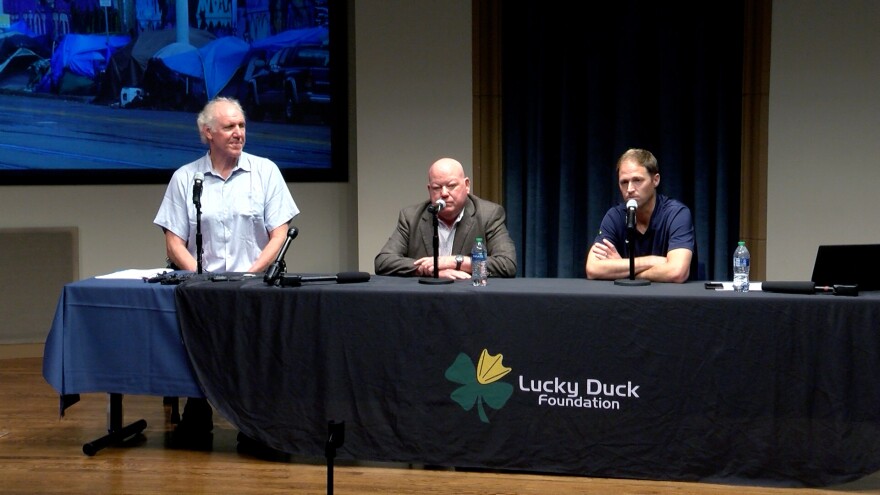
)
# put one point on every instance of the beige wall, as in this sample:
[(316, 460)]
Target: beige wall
[(414, 105), (824, 131), (116, 228)]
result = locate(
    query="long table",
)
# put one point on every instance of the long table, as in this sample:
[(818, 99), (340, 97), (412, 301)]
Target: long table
[(666, 382)]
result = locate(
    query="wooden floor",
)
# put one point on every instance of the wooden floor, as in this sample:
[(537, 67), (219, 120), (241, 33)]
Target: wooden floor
[(41, 453)]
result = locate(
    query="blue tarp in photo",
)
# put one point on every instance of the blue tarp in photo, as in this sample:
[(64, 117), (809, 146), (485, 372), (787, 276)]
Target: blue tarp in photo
[(215, 62), (84, 54)]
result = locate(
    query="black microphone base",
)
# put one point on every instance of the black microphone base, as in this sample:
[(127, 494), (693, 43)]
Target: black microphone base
[(633, 283), (435, 281)]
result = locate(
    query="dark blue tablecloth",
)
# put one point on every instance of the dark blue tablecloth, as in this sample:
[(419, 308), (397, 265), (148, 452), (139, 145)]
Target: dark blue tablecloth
[(667, 381)]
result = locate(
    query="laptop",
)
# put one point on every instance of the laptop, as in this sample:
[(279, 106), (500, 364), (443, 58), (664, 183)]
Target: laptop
[(848, 264)]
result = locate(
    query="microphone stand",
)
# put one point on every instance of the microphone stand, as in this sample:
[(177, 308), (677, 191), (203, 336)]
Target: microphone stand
[(436, 280), (630, 247), (198, 203), (335, 439)]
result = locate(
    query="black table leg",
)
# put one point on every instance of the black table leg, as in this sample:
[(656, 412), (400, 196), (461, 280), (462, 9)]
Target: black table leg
[(116, 433)]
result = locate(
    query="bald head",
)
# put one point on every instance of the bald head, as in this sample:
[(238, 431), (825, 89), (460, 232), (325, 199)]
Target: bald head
[(445, 167), (446, 181)]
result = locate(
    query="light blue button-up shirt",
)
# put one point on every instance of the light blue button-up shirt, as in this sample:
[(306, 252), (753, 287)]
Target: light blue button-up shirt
[(237, 213)]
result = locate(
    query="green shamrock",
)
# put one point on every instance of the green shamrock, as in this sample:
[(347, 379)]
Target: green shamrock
[(479, 384)]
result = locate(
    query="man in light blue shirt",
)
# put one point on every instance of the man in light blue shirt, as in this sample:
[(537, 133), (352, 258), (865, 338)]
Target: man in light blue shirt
[(246, 210), (245, 202)]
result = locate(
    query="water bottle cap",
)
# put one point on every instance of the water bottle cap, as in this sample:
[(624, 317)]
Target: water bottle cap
[(741, 243)]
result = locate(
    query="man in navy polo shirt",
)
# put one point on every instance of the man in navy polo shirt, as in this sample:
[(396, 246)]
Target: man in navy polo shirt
[(664, 228)]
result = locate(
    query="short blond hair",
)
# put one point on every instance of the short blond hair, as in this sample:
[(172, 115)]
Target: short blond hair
[(643, 157)]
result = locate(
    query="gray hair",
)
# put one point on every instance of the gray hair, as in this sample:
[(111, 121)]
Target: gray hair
[(207, 116)]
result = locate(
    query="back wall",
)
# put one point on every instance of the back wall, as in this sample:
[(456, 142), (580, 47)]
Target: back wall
[(823, 131), (411, 103)]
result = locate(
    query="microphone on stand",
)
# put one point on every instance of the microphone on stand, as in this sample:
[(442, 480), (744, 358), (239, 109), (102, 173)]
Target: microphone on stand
[(198, 179), (631, 207), (273, 273), (435, 208)]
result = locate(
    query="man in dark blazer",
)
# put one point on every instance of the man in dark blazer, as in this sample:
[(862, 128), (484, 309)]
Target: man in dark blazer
[(410, 252)]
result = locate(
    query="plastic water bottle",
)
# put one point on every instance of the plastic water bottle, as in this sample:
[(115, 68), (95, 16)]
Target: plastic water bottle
[(479, 268), (741, 263)]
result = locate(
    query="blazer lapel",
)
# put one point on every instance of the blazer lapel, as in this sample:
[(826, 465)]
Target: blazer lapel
[(426, 232), (465, 226)]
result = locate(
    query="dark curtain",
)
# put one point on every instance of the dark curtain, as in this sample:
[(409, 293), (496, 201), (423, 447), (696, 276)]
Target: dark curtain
[(583, 83)]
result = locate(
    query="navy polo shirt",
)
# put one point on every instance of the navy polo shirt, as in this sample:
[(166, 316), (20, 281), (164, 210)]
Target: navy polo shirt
[(671, 227)]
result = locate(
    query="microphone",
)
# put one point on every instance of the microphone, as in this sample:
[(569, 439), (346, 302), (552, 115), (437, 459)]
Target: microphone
[(339, 278), (275, 269), (785, 287), (437, 206), (631, 206), (197, 188)]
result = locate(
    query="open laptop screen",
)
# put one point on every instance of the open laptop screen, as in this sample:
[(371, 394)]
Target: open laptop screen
[(848, 264)]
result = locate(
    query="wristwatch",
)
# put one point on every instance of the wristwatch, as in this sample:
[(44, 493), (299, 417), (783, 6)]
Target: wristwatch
[(458, 261)]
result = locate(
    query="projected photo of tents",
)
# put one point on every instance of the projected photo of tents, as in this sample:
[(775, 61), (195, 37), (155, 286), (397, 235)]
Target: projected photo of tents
[(272, 55)]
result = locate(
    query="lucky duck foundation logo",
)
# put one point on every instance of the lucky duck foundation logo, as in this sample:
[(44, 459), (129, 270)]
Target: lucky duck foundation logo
[(480, 385)]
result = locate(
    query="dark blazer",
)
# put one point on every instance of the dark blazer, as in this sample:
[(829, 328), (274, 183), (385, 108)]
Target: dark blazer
[(414, 238)]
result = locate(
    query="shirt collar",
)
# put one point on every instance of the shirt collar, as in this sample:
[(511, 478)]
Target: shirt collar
[(244, 164)]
